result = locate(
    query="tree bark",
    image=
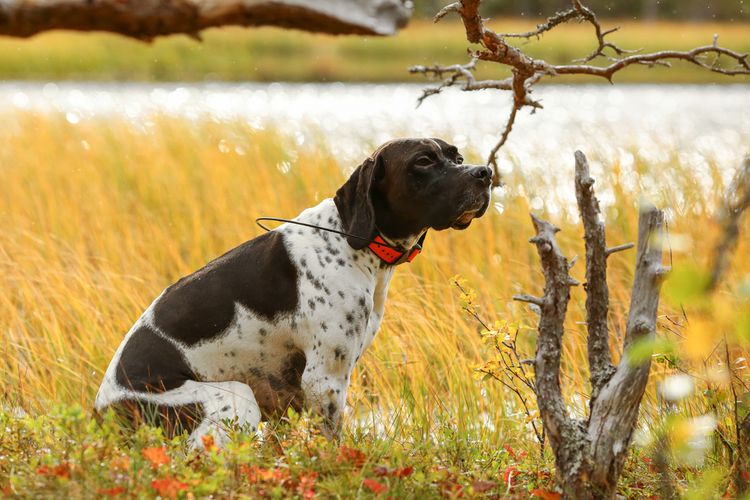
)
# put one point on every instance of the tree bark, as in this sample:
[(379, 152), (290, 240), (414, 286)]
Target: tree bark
[(614, 414), (567, 436), (146, 19), (597, 292)]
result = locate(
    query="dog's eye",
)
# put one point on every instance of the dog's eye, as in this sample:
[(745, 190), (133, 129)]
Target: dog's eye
[(459, 159), (423, 161)]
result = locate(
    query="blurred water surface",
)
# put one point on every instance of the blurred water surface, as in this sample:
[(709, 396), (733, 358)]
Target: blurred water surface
[(693, 124)]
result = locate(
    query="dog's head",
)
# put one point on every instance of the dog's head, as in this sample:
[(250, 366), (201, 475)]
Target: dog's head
[(409, 185)]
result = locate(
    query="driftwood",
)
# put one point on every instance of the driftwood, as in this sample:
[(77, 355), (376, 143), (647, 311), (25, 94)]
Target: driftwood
[(527, 71), (146, 19), (589, 454)]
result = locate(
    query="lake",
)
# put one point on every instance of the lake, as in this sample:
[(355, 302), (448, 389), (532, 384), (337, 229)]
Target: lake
[(700, 124)]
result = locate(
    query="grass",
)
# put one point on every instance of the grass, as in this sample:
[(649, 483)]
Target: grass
[(98, 217), (269, 54)]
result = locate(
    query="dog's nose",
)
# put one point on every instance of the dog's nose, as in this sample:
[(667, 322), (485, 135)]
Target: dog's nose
[(481, 172)]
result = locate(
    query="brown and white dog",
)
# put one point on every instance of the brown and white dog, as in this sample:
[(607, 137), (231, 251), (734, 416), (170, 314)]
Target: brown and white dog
[(282, 319)]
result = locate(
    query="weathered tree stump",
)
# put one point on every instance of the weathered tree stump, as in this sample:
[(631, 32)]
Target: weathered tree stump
[(589, 454)]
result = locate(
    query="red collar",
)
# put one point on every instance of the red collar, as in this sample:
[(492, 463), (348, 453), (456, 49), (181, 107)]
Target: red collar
[(393, 256)]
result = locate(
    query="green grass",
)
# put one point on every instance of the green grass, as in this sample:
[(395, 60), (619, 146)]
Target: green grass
[(270, 54), (65, 453)]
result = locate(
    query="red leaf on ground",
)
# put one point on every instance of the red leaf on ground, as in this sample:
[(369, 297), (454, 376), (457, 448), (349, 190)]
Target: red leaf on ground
[(403, 471), (306, 486), (168, 487), (510, 473), (375, 486), (61, 470), (111, 492), (482, 486), (257, 474), (208, 442), (251, 472), (382, 470), (516, 455), (352, 456), (156, 456), (545, 494)]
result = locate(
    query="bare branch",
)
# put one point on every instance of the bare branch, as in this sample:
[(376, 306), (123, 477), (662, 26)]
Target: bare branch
[(597, 292), (528, 71), (458, 73), (147, 19), (692, 56), (735, 204), (564, 432), (615, 411), (530, 299), (469, 12), (589, 16), (555, 20), (577, 12), (453, 7), (619, 248)]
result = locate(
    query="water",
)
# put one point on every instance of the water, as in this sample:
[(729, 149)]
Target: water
[(701, 123)]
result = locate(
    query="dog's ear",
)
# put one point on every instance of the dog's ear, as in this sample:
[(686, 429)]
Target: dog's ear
[(354, 201)]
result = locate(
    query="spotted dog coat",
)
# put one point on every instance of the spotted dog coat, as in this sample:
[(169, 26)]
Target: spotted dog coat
[(283, 318)]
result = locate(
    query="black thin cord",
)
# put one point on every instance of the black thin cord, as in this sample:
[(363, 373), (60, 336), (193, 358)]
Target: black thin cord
[(313, 226)]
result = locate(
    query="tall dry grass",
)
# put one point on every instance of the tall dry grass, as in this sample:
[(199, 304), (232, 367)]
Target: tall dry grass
[(98, 217)]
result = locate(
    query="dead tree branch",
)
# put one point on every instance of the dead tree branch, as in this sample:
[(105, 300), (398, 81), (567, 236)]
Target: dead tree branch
[(735, 204), (147, 19), (597, 292), (589, 455), (456, 72), (566, 435), (614, 413), (527, 71)]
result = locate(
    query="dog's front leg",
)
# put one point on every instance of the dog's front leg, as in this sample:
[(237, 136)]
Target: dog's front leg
[(325, 382)]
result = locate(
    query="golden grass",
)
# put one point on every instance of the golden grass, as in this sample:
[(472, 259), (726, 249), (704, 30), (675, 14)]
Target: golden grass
[(97, 218), (270, 54)]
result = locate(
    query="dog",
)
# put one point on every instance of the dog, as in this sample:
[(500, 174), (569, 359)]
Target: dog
[(282, 319)]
